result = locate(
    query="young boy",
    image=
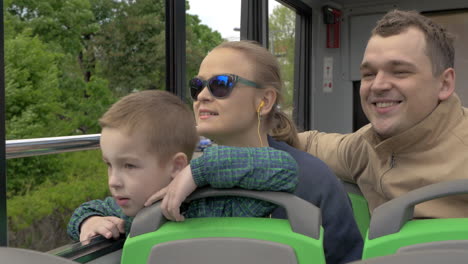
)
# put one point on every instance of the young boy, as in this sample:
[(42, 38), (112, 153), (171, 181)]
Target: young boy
[(147, 138)]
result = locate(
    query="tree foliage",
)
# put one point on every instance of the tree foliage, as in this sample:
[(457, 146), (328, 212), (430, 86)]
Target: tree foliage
[(67, 61), (282, 42), (130, 48), (32, 87), (32, 105), (62, 22)]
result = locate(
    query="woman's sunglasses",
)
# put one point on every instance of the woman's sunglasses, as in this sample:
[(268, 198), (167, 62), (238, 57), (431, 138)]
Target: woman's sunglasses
[(220, 86)]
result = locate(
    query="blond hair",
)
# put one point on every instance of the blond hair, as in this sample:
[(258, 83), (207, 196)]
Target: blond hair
[(268, 74), (167, 123), (439, 42)]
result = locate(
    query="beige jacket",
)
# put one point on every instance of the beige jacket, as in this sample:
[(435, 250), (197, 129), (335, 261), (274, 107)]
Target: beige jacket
[(434, 150)]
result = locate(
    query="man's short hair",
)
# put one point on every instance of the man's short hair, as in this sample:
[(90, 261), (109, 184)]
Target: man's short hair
[(439, 42), (167, 124)]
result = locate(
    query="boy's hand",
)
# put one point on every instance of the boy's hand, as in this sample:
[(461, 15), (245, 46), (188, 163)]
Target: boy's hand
[(174, 194), (107, 226)]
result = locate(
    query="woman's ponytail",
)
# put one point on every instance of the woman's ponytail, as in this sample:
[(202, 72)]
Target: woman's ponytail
[(284, 129)]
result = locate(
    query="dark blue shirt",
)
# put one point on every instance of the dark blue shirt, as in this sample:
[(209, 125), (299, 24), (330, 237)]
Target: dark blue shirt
[(319, 186)]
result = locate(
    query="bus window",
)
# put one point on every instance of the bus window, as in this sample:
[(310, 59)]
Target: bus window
[(66, 62), (207, 25), (281, 37)]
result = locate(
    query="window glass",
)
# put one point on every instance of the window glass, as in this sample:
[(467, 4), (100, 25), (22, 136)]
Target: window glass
[(208, 23), (66, 62), (282, 26), (222, 16)]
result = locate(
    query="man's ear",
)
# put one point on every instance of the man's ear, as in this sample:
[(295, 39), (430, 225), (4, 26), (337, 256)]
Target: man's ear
[(447, 84), (179, 161), (269, 98)]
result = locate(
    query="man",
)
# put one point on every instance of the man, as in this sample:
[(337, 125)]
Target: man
[(419, 130)]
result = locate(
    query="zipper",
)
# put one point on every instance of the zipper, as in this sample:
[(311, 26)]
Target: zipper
[(392, 161)]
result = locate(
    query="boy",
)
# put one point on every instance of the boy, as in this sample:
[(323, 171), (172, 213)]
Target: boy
[(147, 138)]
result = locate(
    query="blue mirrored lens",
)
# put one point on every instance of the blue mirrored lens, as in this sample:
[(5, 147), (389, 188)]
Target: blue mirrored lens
[(221, 86), (196, 86)]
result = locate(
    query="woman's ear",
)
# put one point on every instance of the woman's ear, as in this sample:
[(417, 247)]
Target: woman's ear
[(447, 84), (268, 98), (179, 161)]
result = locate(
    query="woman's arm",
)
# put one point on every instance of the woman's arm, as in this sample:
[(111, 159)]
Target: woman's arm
[(264, 169)]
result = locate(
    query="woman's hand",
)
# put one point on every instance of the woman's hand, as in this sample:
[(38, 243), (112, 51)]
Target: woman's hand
[(174, 194)]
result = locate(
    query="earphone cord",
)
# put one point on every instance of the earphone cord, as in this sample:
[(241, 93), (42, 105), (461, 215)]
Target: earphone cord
[(258, 129)]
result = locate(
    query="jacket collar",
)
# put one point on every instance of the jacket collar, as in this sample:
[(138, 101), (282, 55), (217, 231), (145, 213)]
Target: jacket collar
[(424, 134)]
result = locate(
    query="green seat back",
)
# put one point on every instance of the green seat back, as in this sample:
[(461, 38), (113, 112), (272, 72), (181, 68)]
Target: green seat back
[(360, 207), (301, 236), (392, 228), (417, 232), (421, 257)]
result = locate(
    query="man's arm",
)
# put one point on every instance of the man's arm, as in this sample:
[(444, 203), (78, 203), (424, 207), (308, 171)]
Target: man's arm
[(345, 154), (102, 208), (263, 169)]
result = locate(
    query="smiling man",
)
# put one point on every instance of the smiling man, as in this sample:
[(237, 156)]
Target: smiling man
[(419, 130)]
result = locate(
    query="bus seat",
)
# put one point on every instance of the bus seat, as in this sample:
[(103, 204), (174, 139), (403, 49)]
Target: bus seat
[(227, 240), (392, 228), (27, 256), (360, 207), (421, 257)]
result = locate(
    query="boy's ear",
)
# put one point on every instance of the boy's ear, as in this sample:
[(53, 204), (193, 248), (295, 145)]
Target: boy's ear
[(179, 161)]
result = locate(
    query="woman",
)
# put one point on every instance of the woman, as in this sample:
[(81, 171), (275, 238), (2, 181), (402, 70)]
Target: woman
[(236, 102)]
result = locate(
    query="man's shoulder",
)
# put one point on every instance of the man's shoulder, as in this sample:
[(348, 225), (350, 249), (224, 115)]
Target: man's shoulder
[(308, 163), (313, 138), (297, 154), (461, 129)]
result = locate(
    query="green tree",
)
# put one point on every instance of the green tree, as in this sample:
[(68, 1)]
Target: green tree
[(32, 88), (67, 26), (130, 48), (46, 94), (66, 62), (282, 42), (32, 104), (62, 22)]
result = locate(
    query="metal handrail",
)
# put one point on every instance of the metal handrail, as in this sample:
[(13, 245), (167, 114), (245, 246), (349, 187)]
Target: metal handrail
[(20, 148)]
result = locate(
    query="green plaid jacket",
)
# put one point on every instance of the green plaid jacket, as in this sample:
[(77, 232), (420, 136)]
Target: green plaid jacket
[(263, 169)]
